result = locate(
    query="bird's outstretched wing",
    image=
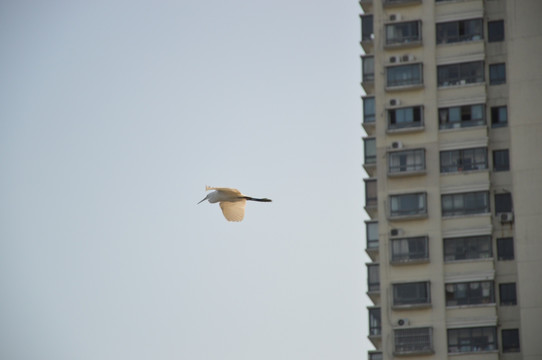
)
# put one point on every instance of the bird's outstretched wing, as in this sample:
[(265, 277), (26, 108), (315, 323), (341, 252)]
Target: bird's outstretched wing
[(226, 190), (233, 210)]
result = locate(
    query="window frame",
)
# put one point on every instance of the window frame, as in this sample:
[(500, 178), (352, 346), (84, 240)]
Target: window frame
[(501, 160), (408, 340), (420, 289), (371, 158), (511, 342), (467, 248), (414, 119), (468, 340), (461, 116), (464, 74), (368, 232), (397, 40), (375, 321), (414, 161), (408, 78), (367, 68), (497, 74), (443, 38), (505, 249), (373, 278), (462, 161), (499, 118), (465, 198), (495, 31), (368, 116), (420, 211), (371, 192), (398, 255), (503, 203), (508, 295), (468, 293), (368, 26)]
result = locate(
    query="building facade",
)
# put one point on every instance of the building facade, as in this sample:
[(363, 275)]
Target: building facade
[(453, 154)]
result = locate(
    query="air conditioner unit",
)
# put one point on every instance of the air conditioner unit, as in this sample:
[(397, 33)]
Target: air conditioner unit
[(394, 59), (403, 322), (395, 17), (396, 145), (507, 217), (395, 102), (407, 58), (394, 232)]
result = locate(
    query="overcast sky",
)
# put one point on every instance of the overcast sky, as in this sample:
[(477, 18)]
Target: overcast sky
[(114, 115)]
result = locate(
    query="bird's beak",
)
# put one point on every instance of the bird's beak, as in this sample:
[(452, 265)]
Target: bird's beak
[(202, 200)]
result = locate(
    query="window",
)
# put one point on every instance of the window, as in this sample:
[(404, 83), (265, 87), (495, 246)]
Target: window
[(507, 294), (497, 74), (505, 248), (367, 32), (470, 293), (503, 203), (499, 116), (406, 161), (465, 203), (368, 68), (370, 193), (501, 160), (409, 249), (472, 339), (405, 117), (371, 232), (411, 294), (408, 204), (510, 340), (495, 30), (373, 277), (467, 248), (369, 147), (413, 340), (456, 31), (375, 325), (461, 116), (375, 356), (463, 160), (403, 75), (369, 110), (460, 74), (403, 33)]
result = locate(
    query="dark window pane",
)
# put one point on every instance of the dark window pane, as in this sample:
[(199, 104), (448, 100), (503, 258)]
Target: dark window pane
[(501, 160), (402, 33), (460, 74), (366, 27), (408, 204), (369, 147), (472, 339), (465, 203), (375, 326), (463, 160), (507, 294), (503, 203), (510, 340), (499, 116), (409, 249), (497, 74), (404, 75), (470, 293), (465, 248), (411, 293), (495, 30), (505, 248), (369, 110), (456, 31)]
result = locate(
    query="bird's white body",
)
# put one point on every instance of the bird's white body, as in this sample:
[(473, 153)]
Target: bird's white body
[(232, 202)]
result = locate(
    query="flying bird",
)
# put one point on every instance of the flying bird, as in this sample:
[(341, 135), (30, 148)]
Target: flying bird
[(232, 202)]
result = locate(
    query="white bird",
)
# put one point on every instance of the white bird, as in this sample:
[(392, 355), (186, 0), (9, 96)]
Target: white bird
[(232, 202)]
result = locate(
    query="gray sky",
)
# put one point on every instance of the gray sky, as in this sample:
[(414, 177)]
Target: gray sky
[(114, 115)]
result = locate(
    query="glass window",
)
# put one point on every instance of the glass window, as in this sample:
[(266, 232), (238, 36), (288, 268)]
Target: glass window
[(495, 30), (373, 277), (405, 117), (369, 146), (371, 229), (505, 248), (510, 340), (369, 110), (375, 356), (403, 33), (411, 294), (460, 74), (497, 74), (370, 192), (470, 293), (461, 116), (503, 203), (366, 27), (507, 294), (465, 203), (501, 160), (413, 340), (368, 68), (466, 248), (408, 204), (463, 160), (409, 249), (403, 75), (375, 325), (406, 161), (474, 339), (499, 116), (456, 31)]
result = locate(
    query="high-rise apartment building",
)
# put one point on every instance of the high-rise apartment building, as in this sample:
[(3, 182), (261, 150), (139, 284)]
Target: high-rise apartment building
[(453, 151)]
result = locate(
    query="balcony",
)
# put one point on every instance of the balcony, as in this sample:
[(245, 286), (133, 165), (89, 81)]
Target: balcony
[(411, 295), (406, 162), (404, 119), (411, 250), (403, 34), (404, 77), (413, 341), (408, 206)]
